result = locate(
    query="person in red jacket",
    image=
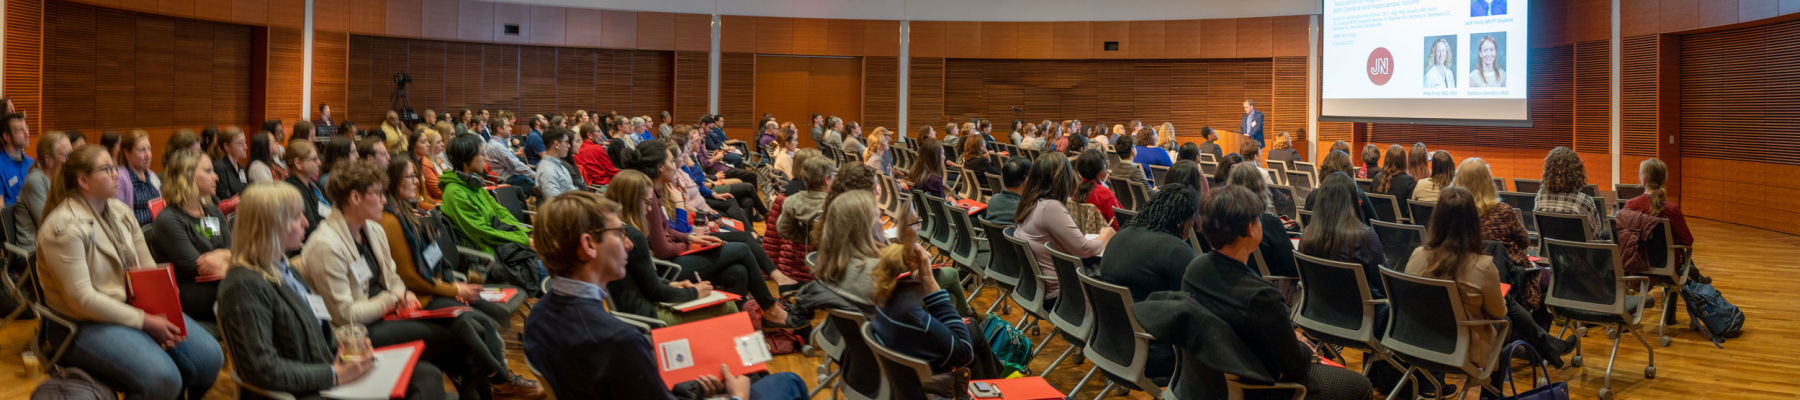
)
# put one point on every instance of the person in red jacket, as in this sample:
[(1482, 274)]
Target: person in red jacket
[(596, 167)]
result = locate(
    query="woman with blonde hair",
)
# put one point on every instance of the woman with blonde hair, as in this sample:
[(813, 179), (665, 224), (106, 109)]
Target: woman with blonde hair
[(1167, 134), (1489, 73), (1284, 149), (191, 234), (1499, 221), (1418, 161), (428, 149), (277, 341), (876, 156), (1440, 65)]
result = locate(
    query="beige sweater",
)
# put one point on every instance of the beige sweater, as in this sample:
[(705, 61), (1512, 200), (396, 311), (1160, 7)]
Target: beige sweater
[(83, 266), (326, 261)]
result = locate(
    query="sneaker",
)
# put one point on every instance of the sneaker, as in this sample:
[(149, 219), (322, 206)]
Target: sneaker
[(519, 388)]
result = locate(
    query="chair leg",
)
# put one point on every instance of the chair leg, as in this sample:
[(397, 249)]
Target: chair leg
[(1046, 343), (1109, 388), (1404, 376), (1059, 360), (1610, 360), (999, 299), (825, 384), (1649, 352), (1084, 380)]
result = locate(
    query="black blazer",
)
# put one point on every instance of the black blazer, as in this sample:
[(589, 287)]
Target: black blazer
[(1401, 187), (1213, 346), (275, 341), (230, 182), (642, 287), (981, 166), (1254, 310), (309, 201), (1287, 156), (1277, 249), (1165, 259)]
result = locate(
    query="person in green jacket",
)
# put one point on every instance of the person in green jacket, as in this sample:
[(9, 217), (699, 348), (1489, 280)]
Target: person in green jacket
[(468, 204)]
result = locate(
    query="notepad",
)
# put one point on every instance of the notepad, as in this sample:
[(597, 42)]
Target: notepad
[(716, 297), (387, 379), (685, 352), (405, 313), (892, 233), (972, 205), (153, 290), (1027, 388), (731, 223)]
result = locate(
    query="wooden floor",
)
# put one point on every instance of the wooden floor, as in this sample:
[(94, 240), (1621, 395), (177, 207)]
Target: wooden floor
[(1756, 269)]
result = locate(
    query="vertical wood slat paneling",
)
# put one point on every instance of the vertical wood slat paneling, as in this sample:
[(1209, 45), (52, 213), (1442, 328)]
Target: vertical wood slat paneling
[(500, 77), (537, 75), (361, 95), (193, 69), (113, 89), (1187, 93), (881, 93), (1288, 105), (652, 83), (72, 65), (113, 70), (283, 91), (331, 75), (925, 93), (1638, 135), (737, 91), (691, 69), (154, 89), (967, 100), (575, 79), (1593, 97), (1745, 96), (430, 85)]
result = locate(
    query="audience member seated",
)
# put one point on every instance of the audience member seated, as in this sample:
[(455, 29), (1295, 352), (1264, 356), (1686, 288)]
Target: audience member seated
[(265, 163), (303, 173), (52, 152), (1284, 150), (498, 156), (335, 150), (17, 165), (191, 234), (1090, 166), (732, 197), (469, 206), (580, 348), (877, 154), (278, 342), (89, 243), (1188, 172), (428, 156), (975, 159), (1147, 153), (597, 166), (1655, 201), (1453, 250), (729, 266), (853, 242), (1226, 286), (669, 173), (927, 173), (1277, 249), (1393, 179), (1043, 217), (1418, 162), (1126, 168), (137, 183), (1004, 206), (1169, 143), (1338, 162), (1443, 172), (430, 278), (228, 161), (1210, 145), (1161, 230), (1564, 176), (374, 152), (1499, 222), (790, 255), (1371, 159), (916, 317), (553, 178), (787, 143), (1336, 235)]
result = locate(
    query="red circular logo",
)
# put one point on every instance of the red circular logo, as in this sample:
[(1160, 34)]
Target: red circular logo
[(1381, 66)]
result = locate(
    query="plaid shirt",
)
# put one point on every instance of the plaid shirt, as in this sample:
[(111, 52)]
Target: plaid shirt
[(1572, 203)]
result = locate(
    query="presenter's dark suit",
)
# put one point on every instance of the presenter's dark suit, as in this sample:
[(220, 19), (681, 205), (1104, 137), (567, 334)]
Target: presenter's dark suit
[(1252, 126)]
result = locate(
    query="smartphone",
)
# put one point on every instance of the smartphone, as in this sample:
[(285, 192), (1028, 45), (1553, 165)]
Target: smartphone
[(983, 390)]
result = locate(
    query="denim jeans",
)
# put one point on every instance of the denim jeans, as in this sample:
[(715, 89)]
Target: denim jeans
[(780, 386), (131, 362)]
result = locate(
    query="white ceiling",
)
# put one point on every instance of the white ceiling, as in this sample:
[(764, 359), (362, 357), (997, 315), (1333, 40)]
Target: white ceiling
[(963, 10)]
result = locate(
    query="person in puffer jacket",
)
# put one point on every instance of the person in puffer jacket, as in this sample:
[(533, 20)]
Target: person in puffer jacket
[(790, 257)]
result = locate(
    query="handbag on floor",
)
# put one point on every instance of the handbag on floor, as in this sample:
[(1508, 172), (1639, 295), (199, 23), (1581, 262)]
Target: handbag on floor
[(1545, 389)]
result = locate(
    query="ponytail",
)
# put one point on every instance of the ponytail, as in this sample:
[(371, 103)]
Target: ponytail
[(1655, 174), (1089, 165)]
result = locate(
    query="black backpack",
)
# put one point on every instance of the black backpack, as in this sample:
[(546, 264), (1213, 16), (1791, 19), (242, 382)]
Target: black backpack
[(517, 265), (1707, 309)]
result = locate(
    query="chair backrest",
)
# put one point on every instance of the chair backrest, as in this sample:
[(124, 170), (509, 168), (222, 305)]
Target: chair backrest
[(1335, 302), (1206, 157), (1585, 276), (1305, 217), (862, 375), (1121, 190), (1425, 323), (1309, 168), (1526, 185), (1140, 194), (1626, 192), (904, 376), (1072, 315), (923, 212), (1298, 178), (1159, 174), (1398, 241), (1365, 184), (995, 185), (1561, 226), (940, 221), (1592, 190), (1386, 207), (513, 198), (1499, 184), (1280, 170), (1421, 212), (1029, 292), (967, 244), (1207, 167), (1112, 158), (960, 239), (10, 223), (1275, 176), (1664, 259), (1196, 242), (1290, 205), (1003, 260), (1525, 202), (1124, 216), (1119, 345)]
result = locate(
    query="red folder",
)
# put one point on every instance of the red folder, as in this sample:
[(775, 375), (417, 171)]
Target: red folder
[(711, 344), (1505, 288), (506, 294), (153, 290), (1027, 388), (972, 205), (696, 248), (406, 313), (732, 223), (728, 296), (156, 206), (405, 375)]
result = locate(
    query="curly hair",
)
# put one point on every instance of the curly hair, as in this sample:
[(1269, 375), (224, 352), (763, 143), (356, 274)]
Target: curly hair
[(352, 177), (1172, 206), (1563, 172)]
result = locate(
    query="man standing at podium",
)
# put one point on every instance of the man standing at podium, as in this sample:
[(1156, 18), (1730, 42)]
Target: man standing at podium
[(1252, 126)]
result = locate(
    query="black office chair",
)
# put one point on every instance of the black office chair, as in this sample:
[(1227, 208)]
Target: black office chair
[(513, 198), (1526, 185), (1120, 187), (1287, 201), (1421, 212), (1386, 207), (1158, 174), (15, 255), (1525, 202), (1140, 194), (1004, 264), (994, 184), (1398, 241), (1305, 218), (940, 222), (1029, 293), (1588, 285), (1365, 184), (1669, 260), (1337, 307), (1124, 216), (1073, 317), (1278, 171), (1119, 345), (923, 212), (1626, 192), (903, 376), (1428, 330), (861, 377), (1561, 226), (969, 249)]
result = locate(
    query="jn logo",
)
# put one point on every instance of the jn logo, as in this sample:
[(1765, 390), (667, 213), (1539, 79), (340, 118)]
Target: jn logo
[(1380, 66)]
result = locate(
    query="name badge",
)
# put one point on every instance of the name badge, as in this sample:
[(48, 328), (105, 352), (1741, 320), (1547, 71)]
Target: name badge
[(318, 307), (210, 224), (359, 271), (432, 255), (324, 210)]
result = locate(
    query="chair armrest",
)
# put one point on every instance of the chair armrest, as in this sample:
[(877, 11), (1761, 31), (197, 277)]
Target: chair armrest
[(14, 249), (667, 269), (1499, 327), (1145, 335), (1376, 301), (653, 323), (640, 325), (1643, 282), (478, 254)]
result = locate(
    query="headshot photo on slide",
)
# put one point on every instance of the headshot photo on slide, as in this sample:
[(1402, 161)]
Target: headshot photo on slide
[(1440, 62), (1487, 59)]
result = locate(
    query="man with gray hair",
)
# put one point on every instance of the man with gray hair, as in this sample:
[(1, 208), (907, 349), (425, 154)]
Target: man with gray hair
[(834, 133)]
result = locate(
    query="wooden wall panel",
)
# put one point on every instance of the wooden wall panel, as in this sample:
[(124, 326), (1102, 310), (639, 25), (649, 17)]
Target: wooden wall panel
[(249, 12), (367, 17), (110, 69), (1071, 40), (1182, 38), (1253, 37), (1218, 38), (652, 82), (575, 79), (1288, 36), (881, 38), (1036, 39), (1638, 97), (962, 39), (834, 87), (655, 31), (691, 70), (331, 15), (618, 29), (404, 18), (287, 13), (1593, 97), (781, 89), (430, 87), (213, 10), (582, 27), (844, 37), (474, 21), (1183, 92), (283, 90), (810, 35), (548, 26), (440, 19), (693, 32), (737, 34), (1287, 104), (999, 40), (775, 35), (331, 74), (737, 94), (926, 38), (1109, 31), (537, 80), (1146, 38), (360, 90), (881, 93), (925, 93)]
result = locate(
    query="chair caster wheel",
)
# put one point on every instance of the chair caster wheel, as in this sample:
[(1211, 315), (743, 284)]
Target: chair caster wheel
[(1541, 381), (1612, 334), (1606, 394), (1665, 341), (1650, 372), (1582, 331), (1575, 361), (1035, 331)]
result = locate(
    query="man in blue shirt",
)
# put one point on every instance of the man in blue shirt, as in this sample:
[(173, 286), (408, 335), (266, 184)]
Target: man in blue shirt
[(1148, 154), (584, 351), (534, 141), (1252, 125), (16, 165)]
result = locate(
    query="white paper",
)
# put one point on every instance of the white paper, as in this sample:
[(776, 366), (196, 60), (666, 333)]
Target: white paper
[(1091, 236), (892, 233), (492, 295), (379, 383), (752, 349), (714, 297), (433, 255), (677, 355)]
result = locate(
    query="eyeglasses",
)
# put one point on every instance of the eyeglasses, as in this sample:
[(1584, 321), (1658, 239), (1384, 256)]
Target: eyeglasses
[(597, 233)]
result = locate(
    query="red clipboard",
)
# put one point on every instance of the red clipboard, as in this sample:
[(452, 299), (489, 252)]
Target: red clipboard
[(403, 313), (156, 206), (972, 205), (1505, 288), (418, 347), (1027, 388), (696, 248), (711, 343), (153, 290)]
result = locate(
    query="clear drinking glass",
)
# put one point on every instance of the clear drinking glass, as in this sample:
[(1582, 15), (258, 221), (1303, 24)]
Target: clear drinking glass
[(353, 338)]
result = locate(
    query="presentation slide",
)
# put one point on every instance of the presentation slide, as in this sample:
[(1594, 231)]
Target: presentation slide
[(1425, 61)]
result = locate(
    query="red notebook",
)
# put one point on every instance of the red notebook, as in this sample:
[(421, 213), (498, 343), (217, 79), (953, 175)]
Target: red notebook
[(500, 295), (418, 347), (731, 223), (1027, 388), (687, 351), (156, 206), (153, 290), (406, 313), (1505, 288), (209, 278), (716, 298), (972, 205), (696, 248)]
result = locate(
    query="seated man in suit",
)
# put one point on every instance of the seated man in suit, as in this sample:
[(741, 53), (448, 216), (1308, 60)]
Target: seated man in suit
[(1223, 283)]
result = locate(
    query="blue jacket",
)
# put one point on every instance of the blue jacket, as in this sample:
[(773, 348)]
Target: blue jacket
[(585, 352), (1252, 126), (534, 147), (934, 332), (12, 175), (1148, 156)]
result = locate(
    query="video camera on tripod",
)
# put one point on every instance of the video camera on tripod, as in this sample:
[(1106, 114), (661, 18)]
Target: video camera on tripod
[(400, 103)]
